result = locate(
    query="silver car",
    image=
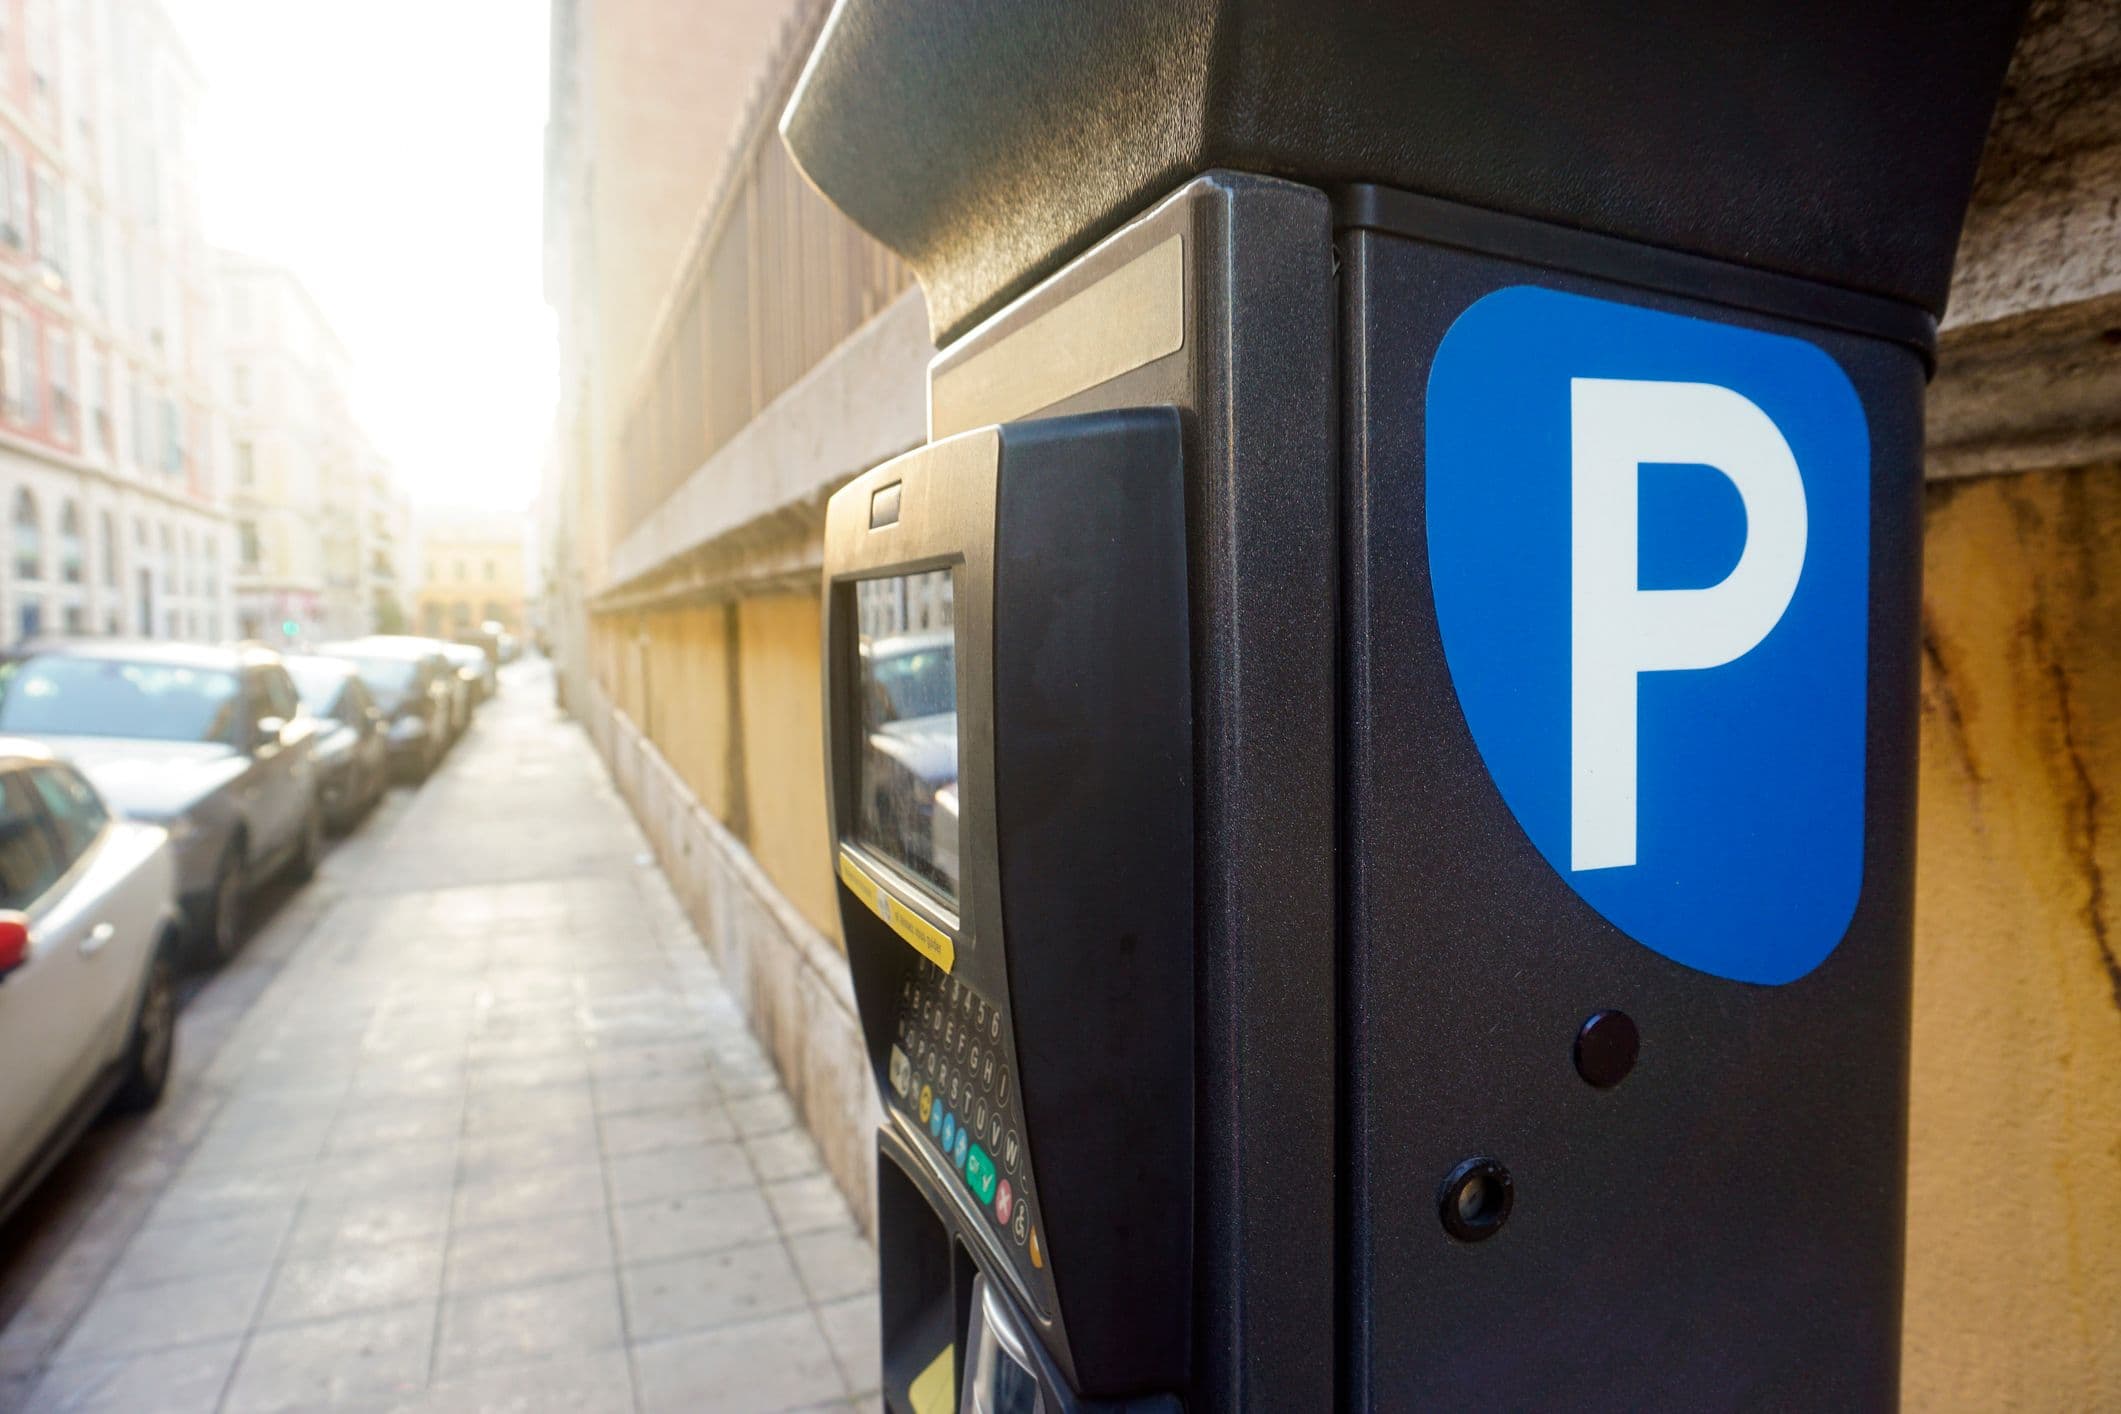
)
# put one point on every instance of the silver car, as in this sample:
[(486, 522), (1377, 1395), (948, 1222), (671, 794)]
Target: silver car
[(88, 944), (210, 742)]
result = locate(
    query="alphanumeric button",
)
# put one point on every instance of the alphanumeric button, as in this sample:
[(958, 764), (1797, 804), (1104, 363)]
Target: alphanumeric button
[(1012, 1151), (986, 1068)]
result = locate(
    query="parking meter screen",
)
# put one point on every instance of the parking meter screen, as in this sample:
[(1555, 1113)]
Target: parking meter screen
[(907, 679)]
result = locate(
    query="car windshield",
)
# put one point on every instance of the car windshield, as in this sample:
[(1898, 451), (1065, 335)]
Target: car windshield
[(63, 696), (388, 678), (319, 684), (920, 683)]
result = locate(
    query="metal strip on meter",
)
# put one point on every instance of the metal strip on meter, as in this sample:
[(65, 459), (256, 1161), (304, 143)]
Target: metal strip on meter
[(922, 936)]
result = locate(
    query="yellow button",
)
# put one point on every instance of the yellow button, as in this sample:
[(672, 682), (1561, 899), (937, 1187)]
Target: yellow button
[(1036, 1259), (927, 1102)]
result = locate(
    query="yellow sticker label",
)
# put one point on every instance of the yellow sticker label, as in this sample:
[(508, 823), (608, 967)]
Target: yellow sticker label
[(922, 936), (934, 1390)]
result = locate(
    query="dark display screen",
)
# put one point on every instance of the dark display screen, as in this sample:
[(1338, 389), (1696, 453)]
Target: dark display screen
[(906, 680)]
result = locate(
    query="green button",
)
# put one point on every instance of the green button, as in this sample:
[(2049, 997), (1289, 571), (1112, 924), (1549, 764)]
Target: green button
[(979, 1174)]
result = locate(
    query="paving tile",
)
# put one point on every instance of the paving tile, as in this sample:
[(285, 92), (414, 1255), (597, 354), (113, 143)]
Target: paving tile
[(766, 1113), (364, 1358), (626, 1094), (791, 1153), (803, 1205), (371, 1124), (580, 1384), (696, 1222), (710, 1289), (775, 1364), (169, 1313), (513, 1254), (854, 1330), (180, 1381), (361, 1279), (373, 1220), (485, 1329), (203, 1195), (834, 1263), (165, 1251), (681, 1169), (645, 1130), (525, 1193)]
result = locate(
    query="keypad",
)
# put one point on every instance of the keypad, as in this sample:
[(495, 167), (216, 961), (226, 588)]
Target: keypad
[(949, 1072)]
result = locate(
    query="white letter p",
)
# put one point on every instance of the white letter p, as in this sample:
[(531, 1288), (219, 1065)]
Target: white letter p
[(1621, 630)]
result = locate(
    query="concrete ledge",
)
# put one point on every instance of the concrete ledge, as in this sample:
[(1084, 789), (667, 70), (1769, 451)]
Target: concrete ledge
[(867, 401), (790, 979)]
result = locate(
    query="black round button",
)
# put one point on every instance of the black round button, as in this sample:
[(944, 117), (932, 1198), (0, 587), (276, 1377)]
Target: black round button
[(1606, 1048), (1475, 1200)]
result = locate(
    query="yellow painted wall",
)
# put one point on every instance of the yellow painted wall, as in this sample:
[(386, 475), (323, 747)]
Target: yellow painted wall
[(784, 755), (2014, 1203), (689, 700)]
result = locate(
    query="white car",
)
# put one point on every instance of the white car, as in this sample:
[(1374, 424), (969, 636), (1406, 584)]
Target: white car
[(89, 935)]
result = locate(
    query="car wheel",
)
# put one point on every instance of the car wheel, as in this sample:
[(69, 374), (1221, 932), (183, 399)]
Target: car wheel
[(154, 1038), (309, 848), (224, 918)]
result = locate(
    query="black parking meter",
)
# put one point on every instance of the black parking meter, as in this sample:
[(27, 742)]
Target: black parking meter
[(1420, 540)]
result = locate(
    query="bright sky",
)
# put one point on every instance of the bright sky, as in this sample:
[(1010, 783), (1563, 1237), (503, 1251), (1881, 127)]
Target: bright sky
[(391, 152)]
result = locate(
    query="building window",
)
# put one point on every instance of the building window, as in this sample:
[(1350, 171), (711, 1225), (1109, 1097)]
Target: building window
[(169, 564), (172, 436), (51, 225), (62, 363), (239, 385), (69, 542), (76, 620), (30, 618), (30, 401), (490, 572), (14, 391), (109, 535), (247, 544), (14, 217), (98, 387), (29, 537), (246, 464)]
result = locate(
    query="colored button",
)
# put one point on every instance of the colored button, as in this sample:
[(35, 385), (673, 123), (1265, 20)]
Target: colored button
[(979, 1174), (1037, 1258), (949, 1135), (1004, 1202), (958, 1148), (935, 1118), (927, 1102)]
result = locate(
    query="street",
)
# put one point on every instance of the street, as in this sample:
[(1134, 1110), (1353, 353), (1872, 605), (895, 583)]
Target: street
[(470, 1123)]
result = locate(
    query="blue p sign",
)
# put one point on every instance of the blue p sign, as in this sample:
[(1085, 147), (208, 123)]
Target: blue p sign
[(1649, 543)]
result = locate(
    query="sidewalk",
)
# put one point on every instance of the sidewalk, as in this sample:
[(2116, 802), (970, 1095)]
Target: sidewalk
[(493, 1137)]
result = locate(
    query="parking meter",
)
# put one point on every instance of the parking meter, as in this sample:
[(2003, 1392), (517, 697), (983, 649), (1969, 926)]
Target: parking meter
[(1386, 708)]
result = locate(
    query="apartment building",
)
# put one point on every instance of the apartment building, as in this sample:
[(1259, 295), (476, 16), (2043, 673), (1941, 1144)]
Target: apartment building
[(473, 571), (732, 351), (320, 524), (110, 433)]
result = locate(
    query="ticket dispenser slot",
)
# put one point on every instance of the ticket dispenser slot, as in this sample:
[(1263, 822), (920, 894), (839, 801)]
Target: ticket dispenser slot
[(1010, 747)]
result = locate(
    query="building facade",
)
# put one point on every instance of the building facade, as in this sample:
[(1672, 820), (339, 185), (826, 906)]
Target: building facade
[(473, 571), (111, 437), (319, 522), (776, 353)]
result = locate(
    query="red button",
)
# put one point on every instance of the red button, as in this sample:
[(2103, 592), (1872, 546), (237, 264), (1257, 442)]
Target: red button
[(1004, 1202)]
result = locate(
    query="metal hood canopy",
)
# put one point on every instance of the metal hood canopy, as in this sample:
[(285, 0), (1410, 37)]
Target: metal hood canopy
[(988, 143)]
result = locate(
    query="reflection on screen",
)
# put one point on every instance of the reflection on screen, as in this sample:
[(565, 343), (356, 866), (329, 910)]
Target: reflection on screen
[(907, 681)]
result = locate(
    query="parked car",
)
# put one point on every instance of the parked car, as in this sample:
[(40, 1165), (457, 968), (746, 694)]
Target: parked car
[(909, 707), (353, 739), (88, 950), (460, 697), (476, 666), (415, 688), (210, 742)]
